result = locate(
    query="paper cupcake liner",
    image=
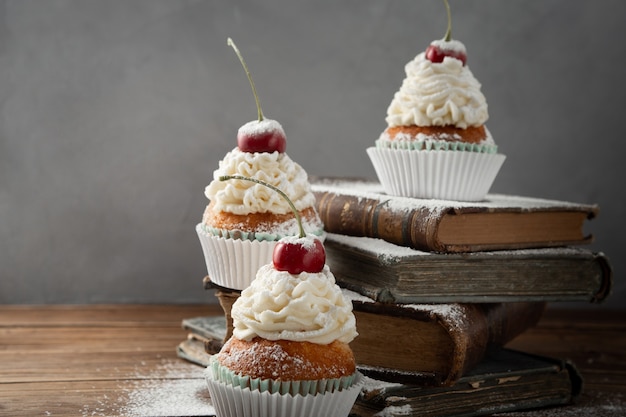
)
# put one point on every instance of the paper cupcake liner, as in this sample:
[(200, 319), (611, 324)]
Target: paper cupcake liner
[(235, 401), (445, 175), (233, 263)]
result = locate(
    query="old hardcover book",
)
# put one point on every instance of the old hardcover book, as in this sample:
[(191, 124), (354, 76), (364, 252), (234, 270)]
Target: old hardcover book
[(506, 380), (361, 208), (397, 274), (440, 341), (193, 349)]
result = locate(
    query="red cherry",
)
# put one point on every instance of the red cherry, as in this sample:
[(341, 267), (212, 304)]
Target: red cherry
[(438, 50), (261, 136), (304, 253), (435, 54), (296, 255)]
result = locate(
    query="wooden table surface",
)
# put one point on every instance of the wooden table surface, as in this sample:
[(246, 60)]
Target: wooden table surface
[(120, 360)]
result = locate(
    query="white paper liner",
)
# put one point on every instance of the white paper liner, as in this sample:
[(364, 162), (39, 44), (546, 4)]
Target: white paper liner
[(233, 263), (444, 175), (231, 401)]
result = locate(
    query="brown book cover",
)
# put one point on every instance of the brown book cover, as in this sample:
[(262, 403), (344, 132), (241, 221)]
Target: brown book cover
[(397, 274), (361, 208), (440, 341), (505, 381)]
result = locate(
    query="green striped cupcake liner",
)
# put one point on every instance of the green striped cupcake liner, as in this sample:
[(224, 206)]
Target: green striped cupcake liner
[(305, 387), (252, 236), (436, 145)]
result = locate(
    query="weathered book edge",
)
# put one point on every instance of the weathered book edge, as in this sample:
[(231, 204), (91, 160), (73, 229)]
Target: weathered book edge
[(346, 260), (473, 328), (356, 215), (562, 384)]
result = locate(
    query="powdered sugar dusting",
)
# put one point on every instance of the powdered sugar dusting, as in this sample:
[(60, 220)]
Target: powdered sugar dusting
[(452, 45), (308, 242), (283, 364), (374, 385), (354, 296), (374, 190), (454, 313), (392, 410), (172, 388), (388, 252), (256, 127), (188, 397)]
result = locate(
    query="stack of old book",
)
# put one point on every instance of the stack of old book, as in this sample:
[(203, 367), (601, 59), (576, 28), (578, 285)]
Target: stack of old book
[(439, 288)]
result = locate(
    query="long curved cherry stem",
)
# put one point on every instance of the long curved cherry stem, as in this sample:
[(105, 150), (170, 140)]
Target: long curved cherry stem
[(448, 35), (278, 190), (245, 67)]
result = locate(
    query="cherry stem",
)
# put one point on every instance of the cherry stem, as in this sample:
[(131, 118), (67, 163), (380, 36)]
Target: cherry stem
[(278, 190), (448, 35), (245, 67)]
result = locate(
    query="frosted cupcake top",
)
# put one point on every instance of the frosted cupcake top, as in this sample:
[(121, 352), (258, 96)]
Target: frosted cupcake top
[(438, 94), (245, 197), (305, 307)]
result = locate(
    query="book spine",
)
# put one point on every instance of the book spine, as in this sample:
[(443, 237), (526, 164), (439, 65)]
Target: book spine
[(487, 326), (365, 217)]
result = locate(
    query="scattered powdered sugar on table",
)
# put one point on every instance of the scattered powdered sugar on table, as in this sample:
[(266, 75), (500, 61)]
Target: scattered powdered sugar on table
[(175, 388), (172, 388), (178, 397)]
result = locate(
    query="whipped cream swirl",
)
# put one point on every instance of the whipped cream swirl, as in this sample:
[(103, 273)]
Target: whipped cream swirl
[(245, 197), (438, 94), (305, 307)]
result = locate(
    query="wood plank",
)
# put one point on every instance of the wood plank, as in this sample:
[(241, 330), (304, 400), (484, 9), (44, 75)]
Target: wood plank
[(94, 366), (88, 338), (101, 315), (123, 398)]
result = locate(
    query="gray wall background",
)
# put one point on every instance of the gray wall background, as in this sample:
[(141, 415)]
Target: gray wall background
[(113, 115)]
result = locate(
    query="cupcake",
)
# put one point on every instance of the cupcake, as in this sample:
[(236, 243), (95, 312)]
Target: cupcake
[(436, 144), (243, 221), (289, 354)]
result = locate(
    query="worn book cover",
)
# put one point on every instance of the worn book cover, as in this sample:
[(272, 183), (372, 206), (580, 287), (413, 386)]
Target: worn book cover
[(506, 380), (361, 208), (397, 274)]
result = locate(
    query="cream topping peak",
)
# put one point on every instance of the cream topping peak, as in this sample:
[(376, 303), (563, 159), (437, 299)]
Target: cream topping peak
[(305, 307), (245, 197), (438, 94)]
